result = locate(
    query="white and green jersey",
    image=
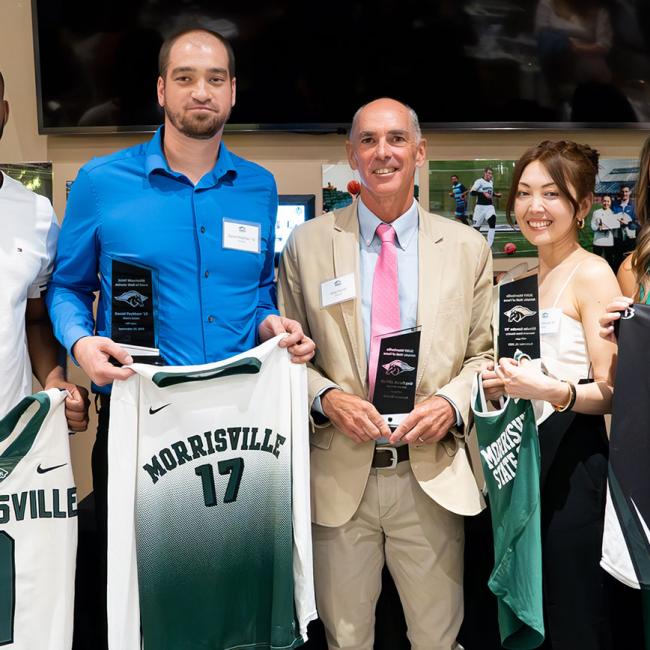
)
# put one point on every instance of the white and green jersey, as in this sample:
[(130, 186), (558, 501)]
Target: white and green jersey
[(209, 533), (38, 526)]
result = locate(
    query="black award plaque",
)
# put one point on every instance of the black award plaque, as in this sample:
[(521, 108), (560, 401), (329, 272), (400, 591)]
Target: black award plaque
[(397, 367), (132, 305), (519, 318)]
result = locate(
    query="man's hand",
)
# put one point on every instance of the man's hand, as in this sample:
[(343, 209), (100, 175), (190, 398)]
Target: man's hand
[(357, 418), (301, 347), (92, 353), (428, 422), (76, 404)]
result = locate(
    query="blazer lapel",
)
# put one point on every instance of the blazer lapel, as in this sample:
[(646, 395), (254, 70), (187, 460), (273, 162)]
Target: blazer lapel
[(345, 245), (431, 268)]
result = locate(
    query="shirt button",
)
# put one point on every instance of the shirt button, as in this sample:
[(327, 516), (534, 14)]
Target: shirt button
[(207, 274), (210, 319), (202, 230)]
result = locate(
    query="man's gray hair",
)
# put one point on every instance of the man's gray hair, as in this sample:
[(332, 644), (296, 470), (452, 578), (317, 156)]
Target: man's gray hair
[(415, 122)]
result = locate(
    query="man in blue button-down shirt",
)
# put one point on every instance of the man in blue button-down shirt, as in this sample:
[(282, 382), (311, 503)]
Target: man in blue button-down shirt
[(200, 218), (170, 205)]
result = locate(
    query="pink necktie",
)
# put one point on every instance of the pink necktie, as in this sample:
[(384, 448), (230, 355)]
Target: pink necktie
[(384, 311)]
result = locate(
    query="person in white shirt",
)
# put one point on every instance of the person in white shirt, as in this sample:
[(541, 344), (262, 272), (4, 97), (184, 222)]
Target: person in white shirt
[(27, 345), (606, 227), (483, 190)]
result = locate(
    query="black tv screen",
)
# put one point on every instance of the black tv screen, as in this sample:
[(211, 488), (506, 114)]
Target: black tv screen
[(304, 66)]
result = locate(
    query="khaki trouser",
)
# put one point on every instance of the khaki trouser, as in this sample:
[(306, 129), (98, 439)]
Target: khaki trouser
[(422, 544)]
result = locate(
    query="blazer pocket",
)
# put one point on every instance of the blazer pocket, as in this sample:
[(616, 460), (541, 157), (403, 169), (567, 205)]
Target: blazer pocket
[(322, 438)]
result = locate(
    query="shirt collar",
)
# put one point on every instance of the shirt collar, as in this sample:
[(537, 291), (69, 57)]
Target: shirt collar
[(156, 161), (406, 225)]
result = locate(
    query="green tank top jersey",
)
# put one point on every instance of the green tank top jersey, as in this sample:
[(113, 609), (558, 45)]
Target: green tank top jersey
[(509, 450)]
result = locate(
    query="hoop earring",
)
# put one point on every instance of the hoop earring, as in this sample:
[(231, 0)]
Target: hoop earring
[(580, 223)]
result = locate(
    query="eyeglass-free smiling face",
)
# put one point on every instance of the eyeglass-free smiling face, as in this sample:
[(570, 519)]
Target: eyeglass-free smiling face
[(386, 151), (544, 215)]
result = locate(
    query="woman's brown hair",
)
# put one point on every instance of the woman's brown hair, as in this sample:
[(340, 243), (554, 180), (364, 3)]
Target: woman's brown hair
[(641, 255), (568, 164)]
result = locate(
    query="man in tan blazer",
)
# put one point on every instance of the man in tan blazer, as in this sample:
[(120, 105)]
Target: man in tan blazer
[(380, 496)]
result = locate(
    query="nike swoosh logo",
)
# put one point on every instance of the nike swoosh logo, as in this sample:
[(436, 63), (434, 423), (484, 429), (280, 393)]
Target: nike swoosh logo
[(160, 408), (44, 470)]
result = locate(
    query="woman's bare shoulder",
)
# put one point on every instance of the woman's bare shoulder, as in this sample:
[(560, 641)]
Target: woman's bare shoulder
[(627, 279)]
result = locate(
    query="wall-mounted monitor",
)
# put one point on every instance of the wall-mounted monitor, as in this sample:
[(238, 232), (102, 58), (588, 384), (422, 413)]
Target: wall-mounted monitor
[(307, 67), (293, 209)]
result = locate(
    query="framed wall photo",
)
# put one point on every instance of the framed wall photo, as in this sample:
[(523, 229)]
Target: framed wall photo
[(35, 176), (508, 240), (451, 180), (341, 185)]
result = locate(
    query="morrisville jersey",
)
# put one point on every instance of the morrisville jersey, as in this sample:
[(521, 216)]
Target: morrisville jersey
[(480, 188), (509, 449), (38, 525), (209, 531)]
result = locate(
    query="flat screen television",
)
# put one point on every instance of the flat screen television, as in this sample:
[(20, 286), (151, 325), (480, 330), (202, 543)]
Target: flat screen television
[(293, 209), (304, 66)]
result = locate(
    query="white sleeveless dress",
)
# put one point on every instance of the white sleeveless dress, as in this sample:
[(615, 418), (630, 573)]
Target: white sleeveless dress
[(564, 353)]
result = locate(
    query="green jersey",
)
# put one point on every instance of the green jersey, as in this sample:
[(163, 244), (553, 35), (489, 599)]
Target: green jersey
[(509, 449)]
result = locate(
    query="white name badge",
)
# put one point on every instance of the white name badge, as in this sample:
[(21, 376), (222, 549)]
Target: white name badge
[(549, 321), (338, 290), (241, 236)]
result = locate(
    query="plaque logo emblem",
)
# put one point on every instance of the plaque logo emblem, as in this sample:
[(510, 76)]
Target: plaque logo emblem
[(518, 313), (132, 298), (397, 367), (628, 313)]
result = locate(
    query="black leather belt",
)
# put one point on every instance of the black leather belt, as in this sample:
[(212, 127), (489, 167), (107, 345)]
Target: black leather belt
[(386, 457)]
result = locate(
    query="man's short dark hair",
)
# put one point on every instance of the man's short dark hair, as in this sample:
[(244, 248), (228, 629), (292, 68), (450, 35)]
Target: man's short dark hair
[(165, 49), (488, 169), (626, 186)]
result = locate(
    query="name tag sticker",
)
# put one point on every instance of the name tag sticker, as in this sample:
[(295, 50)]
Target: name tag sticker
[(549, 321), (338, 290), (241, 236)]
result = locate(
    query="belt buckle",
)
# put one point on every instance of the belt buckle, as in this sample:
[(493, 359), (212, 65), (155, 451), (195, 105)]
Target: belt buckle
[(393, 454)]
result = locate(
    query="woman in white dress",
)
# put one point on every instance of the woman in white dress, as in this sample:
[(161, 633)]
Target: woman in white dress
[(551, 197)]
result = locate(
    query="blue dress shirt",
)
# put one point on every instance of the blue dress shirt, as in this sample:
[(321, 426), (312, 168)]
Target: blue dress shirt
[(132, 207)]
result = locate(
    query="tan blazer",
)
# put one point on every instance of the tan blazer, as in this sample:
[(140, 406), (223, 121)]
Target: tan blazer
[(455, 312)]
